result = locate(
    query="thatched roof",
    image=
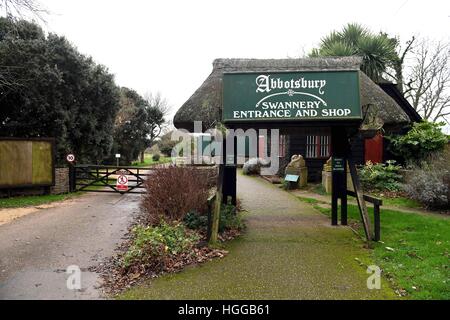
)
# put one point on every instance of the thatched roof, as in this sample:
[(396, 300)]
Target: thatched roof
[(206, 103)]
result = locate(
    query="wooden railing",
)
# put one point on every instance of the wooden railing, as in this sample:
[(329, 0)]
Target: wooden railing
[(377, 203)]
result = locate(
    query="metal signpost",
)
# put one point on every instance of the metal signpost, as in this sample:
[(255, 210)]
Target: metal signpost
[(118, 158)]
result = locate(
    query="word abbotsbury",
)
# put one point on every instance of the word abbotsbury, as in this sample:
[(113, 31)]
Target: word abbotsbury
[(266, 84)]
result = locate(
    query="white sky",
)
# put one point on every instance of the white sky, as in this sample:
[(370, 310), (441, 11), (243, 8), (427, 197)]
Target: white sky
[(169, 45)]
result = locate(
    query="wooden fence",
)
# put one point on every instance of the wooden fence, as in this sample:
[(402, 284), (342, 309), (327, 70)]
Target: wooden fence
[(27, 163)]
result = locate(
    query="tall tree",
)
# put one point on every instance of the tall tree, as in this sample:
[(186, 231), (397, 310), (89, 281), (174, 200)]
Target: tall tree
[(156, 111), (57, 92), (131, 127), (378, 51), (138, 123), (428, 80)]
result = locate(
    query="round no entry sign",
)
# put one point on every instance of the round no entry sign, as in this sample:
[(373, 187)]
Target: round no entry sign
[(122, 183), (70, 158)]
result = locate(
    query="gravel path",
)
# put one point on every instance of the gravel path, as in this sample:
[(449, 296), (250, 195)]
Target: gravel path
[(36, 249), (289, 251)]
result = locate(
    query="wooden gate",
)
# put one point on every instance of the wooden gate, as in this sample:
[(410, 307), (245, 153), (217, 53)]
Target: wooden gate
[(95, 178)]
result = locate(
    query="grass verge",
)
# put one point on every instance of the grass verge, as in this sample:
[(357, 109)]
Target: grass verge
[(31, 201), (148, 161), (414, 253), (402, 202)]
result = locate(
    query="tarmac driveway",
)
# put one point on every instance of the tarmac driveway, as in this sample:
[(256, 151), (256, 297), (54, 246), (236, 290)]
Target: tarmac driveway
[(36, 250)]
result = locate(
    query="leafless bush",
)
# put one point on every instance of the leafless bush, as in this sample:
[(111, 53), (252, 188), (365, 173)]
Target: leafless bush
[(426, 183), (174, 191)]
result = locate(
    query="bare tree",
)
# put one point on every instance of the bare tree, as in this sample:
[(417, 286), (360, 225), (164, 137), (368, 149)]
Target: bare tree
[(157, 101), (158, 110), (428, 85), (22, 8), (395, 70)]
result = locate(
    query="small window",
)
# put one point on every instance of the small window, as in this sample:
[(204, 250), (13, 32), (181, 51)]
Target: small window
[(317, 146)]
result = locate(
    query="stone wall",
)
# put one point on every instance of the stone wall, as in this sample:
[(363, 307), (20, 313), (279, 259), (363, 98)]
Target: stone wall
[(61, 181)]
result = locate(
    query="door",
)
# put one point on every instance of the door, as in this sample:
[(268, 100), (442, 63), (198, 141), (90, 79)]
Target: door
[(374, 149)]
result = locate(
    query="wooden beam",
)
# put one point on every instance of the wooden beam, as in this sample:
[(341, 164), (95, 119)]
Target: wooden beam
[(360, 199), (367, 198)]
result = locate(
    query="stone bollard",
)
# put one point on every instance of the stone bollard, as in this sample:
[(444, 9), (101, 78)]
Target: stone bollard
[(327, 176), (297, 167)]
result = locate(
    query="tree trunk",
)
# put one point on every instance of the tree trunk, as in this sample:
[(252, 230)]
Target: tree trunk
[(142, 156), (399, 75)]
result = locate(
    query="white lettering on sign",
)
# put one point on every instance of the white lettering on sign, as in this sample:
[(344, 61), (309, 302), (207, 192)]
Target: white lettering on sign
[(266, 84), (274, 114)]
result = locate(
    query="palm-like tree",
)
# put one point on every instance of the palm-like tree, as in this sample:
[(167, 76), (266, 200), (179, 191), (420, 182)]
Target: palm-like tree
[(378, 51)]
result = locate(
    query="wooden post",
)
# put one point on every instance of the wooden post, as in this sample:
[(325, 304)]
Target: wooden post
[(217, 207), (211, 204), (339, 148), (360, 199), (334, 205), (72, 177), (377, 222)]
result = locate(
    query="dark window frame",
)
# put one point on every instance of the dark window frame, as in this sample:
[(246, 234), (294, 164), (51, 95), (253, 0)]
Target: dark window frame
[(315, 146)]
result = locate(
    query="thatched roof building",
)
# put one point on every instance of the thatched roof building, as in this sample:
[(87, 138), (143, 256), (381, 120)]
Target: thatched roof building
[(206, 103)]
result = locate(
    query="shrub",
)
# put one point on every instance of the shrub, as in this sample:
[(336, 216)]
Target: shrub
[(381, 176), (230, 219), (426, 183), (156, 157), (422, 140), (154, 245), (195, 221), (173, 191)]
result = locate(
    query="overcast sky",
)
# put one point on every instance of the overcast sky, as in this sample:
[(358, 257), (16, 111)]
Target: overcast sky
[(169, 45)]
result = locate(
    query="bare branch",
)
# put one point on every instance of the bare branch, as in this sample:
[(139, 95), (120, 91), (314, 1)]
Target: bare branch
[(23, 9), (428, 89)]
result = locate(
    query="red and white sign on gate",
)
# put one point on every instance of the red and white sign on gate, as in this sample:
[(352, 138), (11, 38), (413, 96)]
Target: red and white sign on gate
[(122, 183)]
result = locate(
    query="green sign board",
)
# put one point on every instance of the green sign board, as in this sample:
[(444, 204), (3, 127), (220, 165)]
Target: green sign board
[(338, 164), (293, 96)]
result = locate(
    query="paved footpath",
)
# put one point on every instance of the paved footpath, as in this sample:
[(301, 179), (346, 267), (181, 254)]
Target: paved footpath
[(289, 251), (36, 249)]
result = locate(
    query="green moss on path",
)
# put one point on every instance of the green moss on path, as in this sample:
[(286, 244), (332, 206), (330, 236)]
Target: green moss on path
[(289, 251)]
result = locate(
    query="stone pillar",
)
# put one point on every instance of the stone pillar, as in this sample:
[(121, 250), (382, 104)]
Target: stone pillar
[(297, 167), (61, 181)]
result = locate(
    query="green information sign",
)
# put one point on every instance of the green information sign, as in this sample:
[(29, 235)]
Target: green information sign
[(291, 178), (293, 96), (338, 164)]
